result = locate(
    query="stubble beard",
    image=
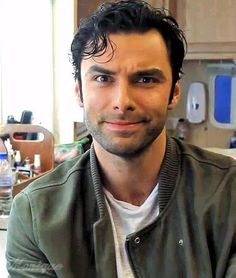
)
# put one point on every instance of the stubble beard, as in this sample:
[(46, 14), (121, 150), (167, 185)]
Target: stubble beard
[(130, 150)]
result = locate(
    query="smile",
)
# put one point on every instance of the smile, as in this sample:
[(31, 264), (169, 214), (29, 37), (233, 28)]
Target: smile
[(123, 125)]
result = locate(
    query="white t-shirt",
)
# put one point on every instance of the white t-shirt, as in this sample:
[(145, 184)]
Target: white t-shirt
[(126, 219)]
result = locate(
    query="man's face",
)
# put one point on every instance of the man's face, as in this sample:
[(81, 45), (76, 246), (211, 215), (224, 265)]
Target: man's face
[(125, 96)]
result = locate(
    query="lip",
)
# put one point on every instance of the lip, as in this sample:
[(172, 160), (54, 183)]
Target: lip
[(123, 125)]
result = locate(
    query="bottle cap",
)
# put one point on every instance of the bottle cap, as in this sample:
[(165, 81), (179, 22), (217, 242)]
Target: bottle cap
[(3, 156)]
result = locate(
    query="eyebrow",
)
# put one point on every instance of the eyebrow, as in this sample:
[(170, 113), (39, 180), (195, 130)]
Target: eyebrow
[(99, 69), (151, 72), (147, 72)]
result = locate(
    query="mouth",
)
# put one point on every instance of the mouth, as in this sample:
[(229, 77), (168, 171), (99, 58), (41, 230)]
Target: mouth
[(123, 125)]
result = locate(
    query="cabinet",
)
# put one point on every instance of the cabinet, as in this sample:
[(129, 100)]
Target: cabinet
[(157, 3), (166, 4), (209, 26), (84, 7)]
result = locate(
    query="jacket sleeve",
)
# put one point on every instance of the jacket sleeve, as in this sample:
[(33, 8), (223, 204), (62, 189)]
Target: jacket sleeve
[(24, 257)]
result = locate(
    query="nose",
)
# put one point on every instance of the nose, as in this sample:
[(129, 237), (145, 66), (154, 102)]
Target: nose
[(123, 98)]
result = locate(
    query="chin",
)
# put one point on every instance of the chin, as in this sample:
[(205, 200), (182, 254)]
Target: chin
[(126, 145), (126, 150)]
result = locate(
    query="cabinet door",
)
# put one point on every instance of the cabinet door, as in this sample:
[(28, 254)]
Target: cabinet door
[(84, 7), (156, 3), (210, 27), (167, 4)]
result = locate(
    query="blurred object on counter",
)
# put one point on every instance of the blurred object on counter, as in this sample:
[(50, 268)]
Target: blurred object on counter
[(26, 118), (64, 152), (196, 103), (182, 131), (10, 152), (37, 163), (233, 141)]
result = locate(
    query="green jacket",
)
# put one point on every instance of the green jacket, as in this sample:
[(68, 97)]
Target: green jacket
[(60, 226)]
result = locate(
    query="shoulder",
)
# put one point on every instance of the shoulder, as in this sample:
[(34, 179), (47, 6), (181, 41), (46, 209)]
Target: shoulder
[(54, 194), (207, 174), (63, 175), (203, 157), (207, 179), (48, 193)]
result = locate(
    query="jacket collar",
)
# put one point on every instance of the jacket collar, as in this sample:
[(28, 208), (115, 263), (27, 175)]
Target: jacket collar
[(168, 173)]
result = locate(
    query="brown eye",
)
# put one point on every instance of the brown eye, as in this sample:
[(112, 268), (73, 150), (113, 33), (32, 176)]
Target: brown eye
[(146, 79)]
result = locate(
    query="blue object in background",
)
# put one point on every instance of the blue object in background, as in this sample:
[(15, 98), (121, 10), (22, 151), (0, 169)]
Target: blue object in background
[(222, 107)]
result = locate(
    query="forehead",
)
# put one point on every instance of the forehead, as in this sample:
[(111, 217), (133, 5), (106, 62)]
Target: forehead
[(132, 51)]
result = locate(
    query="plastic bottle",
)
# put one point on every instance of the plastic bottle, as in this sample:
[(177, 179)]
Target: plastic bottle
[(37, 164), (5, 186), (10, 151), (17, 159)]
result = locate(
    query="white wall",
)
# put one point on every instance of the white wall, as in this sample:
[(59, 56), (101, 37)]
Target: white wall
[(66, 109), (26, 59)]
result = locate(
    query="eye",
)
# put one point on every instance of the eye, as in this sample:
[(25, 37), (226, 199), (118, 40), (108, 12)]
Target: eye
[(146, 79), (103, 78)]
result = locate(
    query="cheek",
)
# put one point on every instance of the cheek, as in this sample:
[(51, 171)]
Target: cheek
[(89, 96), (158, 104), (93, 104), (96, 99)]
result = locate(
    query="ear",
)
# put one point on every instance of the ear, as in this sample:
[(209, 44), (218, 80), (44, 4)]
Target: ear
[(78, 94), (176, 97)]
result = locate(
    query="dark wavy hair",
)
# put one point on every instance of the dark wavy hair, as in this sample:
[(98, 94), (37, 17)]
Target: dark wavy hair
[(127, 16)]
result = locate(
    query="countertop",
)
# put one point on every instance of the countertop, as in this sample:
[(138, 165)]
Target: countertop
[(227, 152)]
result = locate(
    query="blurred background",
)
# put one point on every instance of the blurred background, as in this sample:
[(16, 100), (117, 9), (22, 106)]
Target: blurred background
[(36, 75)]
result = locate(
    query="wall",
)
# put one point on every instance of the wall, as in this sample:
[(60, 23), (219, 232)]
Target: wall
[(26, 79), (204, 134), (66, 109)]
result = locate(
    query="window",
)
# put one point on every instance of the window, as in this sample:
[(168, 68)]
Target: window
[(35, 72), (26, 59)]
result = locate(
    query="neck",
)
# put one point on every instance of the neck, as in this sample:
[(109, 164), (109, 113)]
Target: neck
[(132, 180)]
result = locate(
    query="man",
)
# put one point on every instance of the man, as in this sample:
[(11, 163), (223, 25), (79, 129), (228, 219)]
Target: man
[(137, 204)]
